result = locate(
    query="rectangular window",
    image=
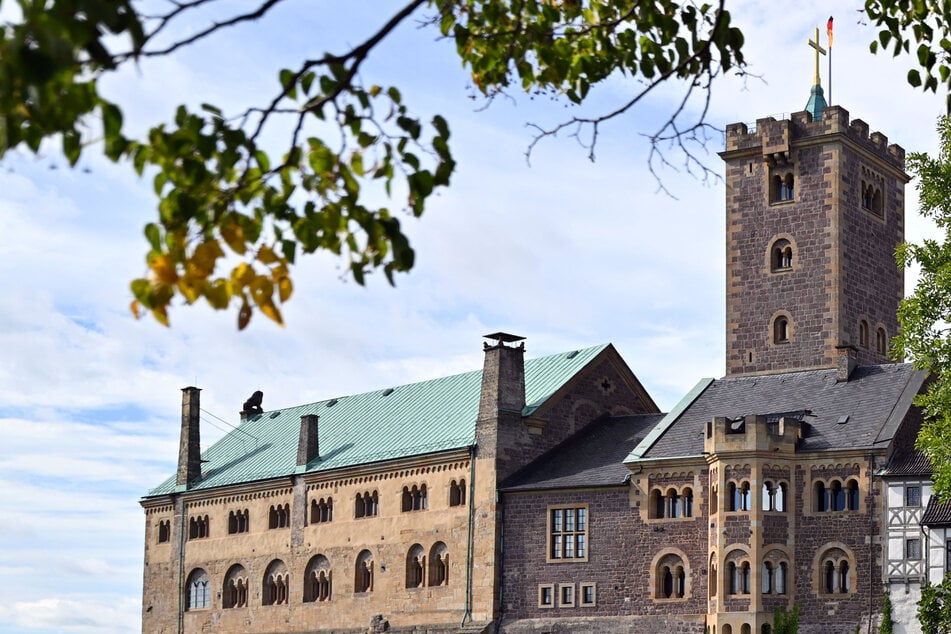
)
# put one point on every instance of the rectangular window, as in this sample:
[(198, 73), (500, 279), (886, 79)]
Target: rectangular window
[(913, 496), (566, 595), (546, 596), (947, 556), (588, 594), (913, 549), (568, 533)]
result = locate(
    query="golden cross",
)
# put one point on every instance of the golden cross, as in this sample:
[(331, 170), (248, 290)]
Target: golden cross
[(815, 44)]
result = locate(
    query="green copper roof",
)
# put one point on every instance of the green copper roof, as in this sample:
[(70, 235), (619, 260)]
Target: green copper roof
[(817, 103), (408, 420)]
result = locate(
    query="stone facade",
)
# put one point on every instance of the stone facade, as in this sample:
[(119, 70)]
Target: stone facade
[(840, 272)]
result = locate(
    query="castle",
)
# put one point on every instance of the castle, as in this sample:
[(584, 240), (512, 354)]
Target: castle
[(551, 495)]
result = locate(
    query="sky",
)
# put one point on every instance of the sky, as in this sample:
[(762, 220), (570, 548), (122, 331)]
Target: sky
[(564, 251)]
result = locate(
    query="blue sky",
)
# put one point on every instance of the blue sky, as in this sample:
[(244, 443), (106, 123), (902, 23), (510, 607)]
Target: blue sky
[(565, 252)]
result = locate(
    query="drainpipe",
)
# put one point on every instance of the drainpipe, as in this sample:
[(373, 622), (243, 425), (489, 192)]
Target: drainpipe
[(871, 527), (468, 612), (181, 570)]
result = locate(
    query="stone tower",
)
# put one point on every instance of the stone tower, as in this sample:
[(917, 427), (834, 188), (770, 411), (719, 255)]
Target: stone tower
[(814, 212)]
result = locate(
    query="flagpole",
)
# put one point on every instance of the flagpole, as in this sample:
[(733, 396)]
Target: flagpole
[(829, 33)]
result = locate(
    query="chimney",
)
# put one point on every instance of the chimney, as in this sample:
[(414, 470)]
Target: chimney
[(845, 362), (503, 376), (308, 447), (189, 447)]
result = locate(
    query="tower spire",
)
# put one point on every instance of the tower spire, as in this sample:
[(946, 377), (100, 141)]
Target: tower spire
[(817, 100)]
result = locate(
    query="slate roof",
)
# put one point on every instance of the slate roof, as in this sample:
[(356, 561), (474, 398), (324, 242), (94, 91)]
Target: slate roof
[(872, 402), (908, 462), (415, 419), (593, 457), (937, 513)]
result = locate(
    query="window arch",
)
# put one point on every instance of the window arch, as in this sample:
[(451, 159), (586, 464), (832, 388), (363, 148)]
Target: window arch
[(367, 504), (781, 255), (279, 516), (439, 565), (199, 527), (863, 333), (881, 341), (774, 572), (834, 496), (713, 576), (782, 187), (414, 498), (235, 591), (672, 504), (321, 510), (275, 588), (363, 572), (164, 531), (774, 496), (238, 521), (782, 329), (670, 574), (318, 580), (457, 493), (737, 573), (836, 571), (415, 567), (852, 495), (197, 590)]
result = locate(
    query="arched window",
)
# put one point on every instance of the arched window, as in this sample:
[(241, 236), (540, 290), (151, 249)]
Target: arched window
[(822, 502), (713, 576), (688, 502), (658, 505), (714, 499), (852, 495), (275, 590), (881, 342), (279, 516), (733, 576), (836, 572), (238, 522), (768, 493), (321, 510), (318, 580), (781, 255), (767, 578), (746, 497), (779, 498), (674, 504), (781, 329), (367, 504), (457, 493), (877, 201), (837, 496), (735, 495), (164, 531), (197, 590), (363, 572), (415, 567), (727, 629), (198, 527), (439, 565), (745, 577), (782, 187), (414, 499), (780, 583), (745, 629), (863, 333), (671, 577), (235, 591)]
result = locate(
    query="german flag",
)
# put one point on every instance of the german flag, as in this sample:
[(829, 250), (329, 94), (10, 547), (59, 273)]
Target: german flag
[(829, 30)]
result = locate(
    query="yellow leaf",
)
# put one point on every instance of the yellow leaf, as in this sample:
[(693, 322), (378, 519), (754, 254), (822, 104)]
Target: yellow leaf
[(189, 287), (161, 315), (233, 234), (134, 307), (284, 288), (164, 269), (203, 260), (242, 275), (218, 294), (272, 311), (266, 255)]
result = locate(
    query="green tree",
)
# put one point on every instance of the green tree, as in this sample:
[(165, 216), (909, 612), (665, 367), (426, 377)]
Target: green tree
[(785, 622), (887, 624), (221, 192), (934, 608), (924, 316)]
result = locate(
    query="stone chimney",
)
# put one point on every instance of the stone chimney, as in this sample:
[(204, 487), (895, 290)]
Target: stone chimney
[(189, 447), (308, 447), (845, 362), (503, 376)]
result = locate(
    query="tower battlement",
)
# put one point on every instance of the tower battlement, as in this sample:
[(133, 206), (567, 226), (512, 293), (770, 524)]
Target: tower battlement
[(776, 135)]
